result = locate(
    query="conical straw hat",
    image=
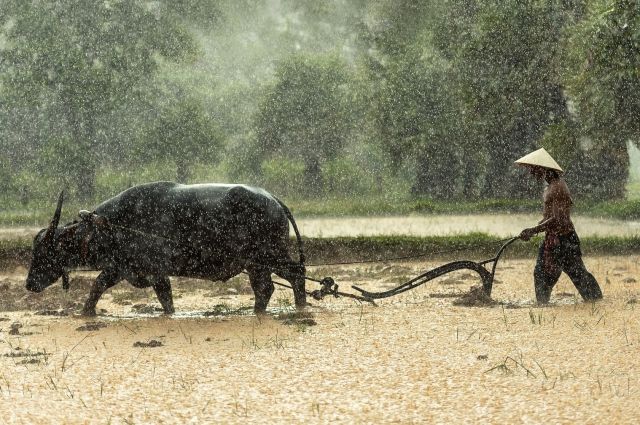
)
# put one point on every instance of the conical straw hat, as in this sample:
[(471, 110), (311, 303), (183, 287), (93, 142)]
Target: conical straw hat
[(540, 158)]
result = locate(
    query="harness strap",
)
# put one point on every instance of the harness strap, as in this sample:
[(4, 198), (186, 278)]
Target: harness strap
[(84, 248)]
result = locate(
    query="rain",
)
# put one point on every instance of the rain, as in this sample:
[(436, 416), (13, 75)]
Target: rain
[(351, 211)]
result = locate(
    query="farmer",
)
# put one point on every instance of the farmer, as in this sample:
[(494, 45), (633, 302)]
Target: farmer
[(560, 250)]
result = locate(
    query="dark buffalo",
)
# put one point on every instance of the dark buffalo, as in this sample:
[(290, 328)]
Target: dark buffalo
[(156, 230)]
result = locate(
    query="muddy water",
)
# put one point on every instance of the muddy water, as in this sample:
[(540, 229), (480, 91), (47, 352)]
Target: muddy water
[(502, 225), (416, 358)]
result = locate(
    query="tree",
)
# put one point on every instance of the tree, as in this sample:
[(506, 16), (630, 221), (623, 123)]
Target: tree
[(183, 133), (505, 55), (385, 41), (415, 100), (305, 114), (604, 82), (84, 58), (419, 115)]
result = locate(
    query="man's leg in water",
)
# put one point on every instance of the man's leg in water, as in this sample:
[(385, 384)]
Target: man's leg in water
[(570, 259), (544, 281)]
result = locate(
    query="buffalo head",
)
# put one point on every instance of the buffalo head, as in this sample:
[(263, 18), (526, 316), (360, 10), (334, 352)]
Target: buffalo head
[(46, 262)]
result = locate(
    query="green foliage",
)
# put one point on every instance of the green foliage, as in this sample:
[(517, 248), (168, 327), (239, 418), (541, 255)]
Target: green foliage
[(413, 108), (603, 79), (392, 27), (7, 184), (305, 114), (484, 206), (277, 175), (606, 67), (113, 180), (183, 132), (79, 61), (378, 248), (633, 191), (37, 209), (442, 94), (204, 13), (505, 62), (346, 177), (419, 118), (623, 210)]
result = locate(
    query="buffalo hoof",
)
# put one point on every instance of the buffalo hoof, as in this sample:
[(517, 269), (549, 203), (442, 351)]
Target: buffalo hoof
[(88, 313), (168, 312), (303, 306)]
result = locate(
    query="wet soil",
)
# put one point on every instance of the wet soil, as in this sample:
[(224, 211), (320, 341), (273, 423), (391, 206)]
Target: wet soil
[(415, 358)]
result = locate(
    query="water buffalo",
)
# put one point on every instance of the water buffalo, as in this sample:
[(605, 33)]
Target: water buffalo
[(156, 230)]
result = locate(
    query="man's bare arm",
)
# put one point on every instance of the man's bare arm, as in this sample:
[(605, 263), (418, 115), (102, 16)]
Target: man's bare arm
[(543, 226)]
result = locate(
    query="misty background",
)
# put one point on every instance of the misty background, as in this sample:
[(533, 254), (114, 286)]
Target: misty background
[(389, 100)]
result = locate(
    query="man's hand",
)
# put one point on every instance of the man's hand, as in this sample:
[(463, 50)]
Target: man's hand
[(526, 234)]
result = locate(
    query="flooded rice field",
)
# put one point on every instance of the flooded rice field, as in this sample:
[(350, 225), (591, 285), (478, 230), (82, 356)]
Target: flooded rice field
[(419, 357), (502, 225)]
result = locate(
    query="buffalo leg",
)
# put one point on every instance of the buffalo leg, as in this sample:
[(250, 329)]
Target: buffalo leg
[(104, 281), (162, 287), (262, 286), (294, 273)]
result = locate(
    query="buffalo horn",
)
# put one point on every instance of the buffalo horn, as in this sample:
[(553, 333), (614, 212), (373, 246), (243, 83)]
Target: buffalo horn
[(56, 217), (65, 280)]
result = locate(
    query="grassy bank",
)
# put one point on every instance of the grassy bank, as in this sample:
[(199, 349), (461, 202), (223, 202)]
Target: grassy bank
[(447, 248), (621, 210), (373, 249)]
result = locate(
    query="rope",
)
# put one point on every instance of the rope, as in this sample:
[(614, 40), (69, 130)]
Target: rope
[(328, 286), (339, 263), (407, 257)]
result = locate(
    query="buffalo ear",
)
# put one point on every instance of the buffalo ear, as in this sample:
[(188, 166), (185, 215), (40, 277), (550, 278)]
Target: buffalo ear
[(92, 217), (100, 220)]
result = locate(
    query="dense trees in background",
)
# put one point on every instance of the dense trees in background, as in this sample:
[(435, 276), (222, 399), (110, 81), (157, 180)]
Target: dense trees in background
[(305, 115), (416, 109), (183, 118), (504, 57), (74, 63), (435, 98), (603, 81)]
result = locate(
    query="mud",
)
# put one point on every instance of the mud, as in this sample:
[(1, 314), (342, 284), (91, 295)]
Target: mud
[(476, 297), (415, 358)]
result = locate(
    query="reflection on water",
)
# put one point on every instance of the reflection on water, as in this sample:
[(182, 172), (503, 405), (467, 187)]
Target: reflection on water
[(501, 225)]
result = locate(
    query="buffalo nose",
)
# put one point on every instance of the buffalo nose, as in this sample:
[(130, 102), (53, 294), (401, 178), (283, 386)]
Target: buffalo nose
[(31, 286)]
